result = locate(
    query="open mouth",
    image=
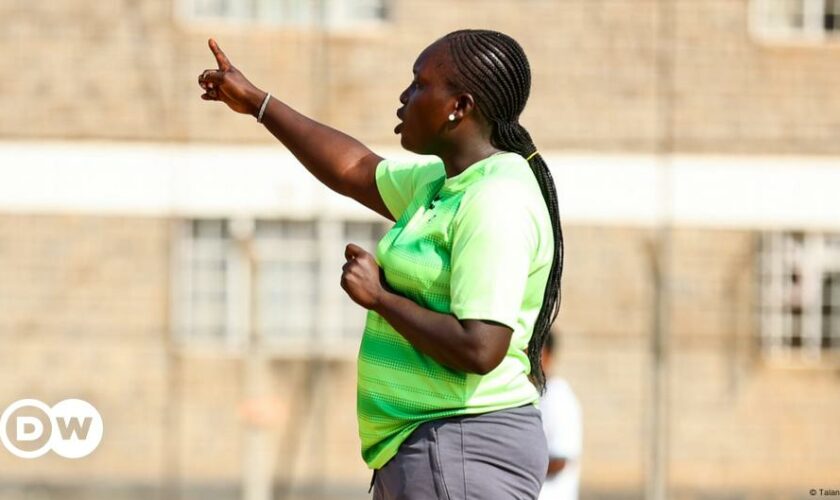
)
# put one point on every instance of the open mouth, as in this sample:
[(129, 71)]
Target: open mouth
[(399, 126)]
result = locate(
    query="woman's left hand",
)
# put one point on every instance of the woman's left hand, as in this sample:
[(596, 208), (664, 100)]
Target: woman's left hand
[(361, 277)]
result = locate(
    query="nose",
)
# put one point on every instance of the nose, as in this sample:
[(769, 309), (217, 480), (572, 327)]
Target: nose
[(404, 95)]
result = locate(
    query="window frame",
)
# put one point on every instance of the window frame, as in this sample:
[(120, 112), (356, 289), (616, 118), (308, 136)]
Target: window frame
[(328, 19), (763, 28), (791, 312)]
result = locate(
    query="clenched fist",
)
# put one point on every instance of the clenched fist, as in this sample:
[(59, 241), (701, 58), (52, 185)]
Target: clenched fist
[(362, 277)]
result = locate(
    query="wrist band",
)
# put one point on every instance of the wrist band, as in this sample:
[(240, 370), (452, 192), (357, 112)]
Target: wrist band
[(263, 107)]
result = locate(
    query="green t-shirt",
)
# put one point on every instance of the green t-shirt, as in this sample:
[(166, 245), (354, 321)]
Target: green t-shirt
[(483, 252)]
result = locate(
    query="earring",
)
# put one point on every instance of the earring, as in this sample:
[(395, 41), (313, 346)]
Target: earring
[(452, 117)]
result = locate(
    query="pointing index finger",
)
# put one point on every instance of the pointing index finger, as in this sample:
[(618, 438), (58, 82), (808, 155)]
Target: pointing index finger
[(221, 58)]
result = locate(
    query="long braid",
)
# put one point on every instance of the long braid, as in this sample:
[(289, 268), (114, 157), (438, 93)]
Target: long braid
[(493, 68)]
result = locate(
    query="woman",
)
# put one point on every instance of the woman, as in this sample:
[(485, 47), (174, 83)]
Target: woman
[(463, 289)]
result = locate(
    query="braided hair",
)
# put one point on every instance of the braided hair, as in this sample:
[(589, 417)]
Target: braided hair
[(492, 67)]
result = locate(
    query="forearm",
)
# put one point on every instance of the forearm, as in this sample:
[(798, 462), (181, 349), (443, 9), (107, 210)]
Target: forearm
[(327, 153), (440, 336), (331, 156)]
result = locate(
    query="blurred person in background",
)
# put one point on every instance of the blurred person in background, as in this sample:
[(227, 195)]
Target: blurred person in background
[(462, 291), (563, 424)]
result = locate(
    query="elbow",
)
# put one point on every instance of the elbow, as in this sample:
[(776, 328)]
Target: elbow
[(357, 177), (483, 369), (485, 346), (483, 363)]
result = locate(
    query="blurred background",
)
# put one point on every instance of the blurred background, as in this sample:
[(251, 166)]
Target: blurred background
[(168, 261)]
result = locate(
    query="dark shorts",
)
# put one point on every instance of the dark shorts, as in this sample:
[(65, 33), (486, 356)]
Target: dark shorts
[(492, 456)]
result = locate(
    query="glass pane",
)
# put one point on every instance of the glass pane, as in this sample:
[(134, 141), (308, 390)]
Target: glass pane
[(208, 8), (287, 278), (831, 19), (287, 230), (784, 14), (288, 298), (348, 12), (291, 12), (364, 234), (207, 265), (209, 229)]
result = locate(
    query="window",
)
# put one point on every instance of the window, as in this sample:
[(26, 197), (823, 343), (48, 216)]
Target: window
[(288, 12), (276, 278), (207, 273), (800, 295), (796, 19), (287, 270)]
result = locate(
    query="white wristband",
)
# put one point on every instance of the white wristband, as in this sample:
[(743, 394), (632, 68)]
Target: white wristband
[(263, 107)]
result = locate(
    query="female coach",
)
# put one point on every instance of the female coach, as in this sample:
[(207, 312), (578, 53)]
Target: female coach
[(463, 289)]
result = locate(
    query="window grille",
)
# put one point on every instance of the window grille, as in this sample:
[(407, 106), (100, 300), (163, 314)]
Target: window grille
[(331, 13), (800, 295), (812, 20)]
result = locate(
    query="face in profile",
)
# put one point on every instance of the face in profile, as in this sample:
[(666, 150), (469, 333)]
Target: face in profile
[(426, 102)]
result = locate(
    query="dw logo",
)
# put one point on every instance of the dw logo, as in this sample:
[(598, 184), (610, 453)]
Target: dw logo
[(71, 428)]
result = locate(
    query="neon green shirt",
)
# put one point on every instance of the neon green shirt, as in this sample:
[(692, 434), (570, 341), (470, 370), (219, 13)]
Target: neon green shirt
[(483, 252)]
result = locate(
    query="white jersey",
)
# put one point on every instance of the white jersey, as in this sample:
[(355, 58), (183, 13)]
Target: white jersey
[(563, 425)]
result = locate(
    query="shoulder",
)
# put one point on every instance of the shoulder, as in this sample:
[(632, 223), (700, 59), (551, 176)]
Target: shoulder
[(508, 191), (510, 178), (419, 168)]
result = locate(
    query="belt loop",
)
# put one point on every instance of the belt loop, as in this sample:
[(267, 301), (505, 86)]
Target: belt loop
[(372, 480)]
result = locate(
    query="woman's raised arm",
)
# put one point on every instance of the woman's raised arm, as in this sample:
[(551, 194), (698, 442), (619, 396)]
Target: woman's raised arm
[(341, 162)]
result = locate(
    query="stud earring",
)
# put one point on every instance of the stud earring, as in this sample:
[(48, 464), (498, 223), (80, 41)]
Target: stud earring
[(452, 117)]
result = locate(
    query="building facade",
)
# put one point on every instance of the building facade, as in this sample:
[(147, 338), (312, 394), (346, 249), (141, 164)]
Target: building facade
[(167, 261)]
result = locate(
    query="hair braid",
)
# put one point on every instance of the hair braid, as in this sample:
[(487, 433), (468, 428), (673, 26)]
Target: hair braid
[(494, 69)]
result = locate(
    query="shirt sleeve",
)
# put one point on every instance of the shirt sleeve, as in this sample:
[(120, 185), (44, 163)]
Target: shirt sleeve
[(398, 181), (494, 241)]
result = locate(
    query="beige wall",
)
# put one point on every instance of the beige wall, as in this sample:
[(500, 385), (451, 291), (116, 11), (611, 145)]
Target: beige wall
[(88, 303), (86, 298), (127, 70)]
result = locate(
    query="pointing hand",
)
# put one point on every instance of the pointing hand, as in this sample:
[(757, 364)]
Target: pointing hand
[(229, 85)]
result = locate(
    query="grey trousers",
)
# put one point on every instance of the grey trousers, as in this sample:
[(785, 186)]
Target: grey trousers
[(500, 455)]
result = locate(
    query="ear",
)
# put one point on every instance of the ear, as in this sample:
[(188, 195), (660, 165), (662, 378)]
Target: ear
[(464, 105)]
